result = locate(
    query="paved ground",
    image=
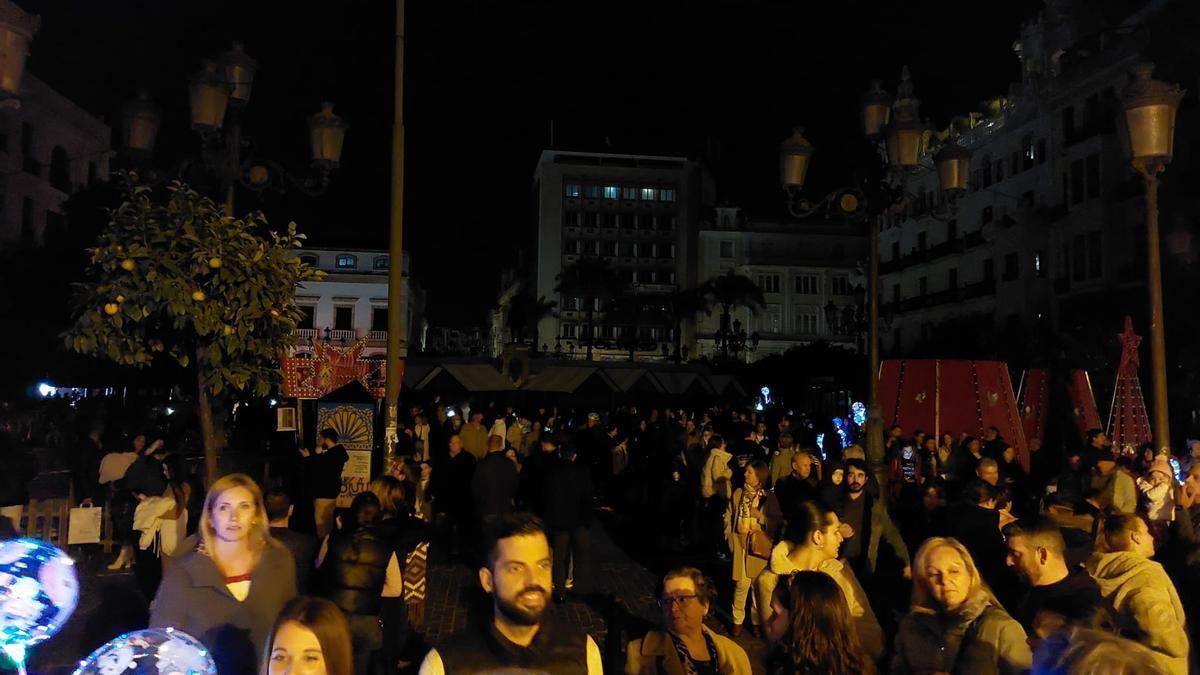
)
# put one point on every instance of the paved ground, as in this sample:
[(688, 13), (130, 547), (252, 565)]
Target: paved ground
[(622, 597)]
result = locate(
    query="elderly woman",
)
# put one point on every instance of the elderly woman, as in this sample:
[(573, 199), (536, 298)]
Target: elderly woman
[(955, 624), (753, 514), (687, 646)]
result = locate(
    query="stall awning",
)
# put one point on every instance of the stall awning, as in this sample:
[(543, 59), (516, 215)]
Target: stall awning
[(567, 380)]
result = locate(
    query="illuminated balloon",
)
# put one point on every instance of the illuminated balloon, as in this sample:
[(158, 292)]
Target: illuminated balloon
[(38, 591), (154, 651)]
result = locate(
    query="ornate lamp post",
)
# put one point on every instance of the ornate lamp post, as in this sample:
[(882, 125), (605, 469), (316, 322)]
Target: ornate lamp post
[(732, 339), (1149, 123), (17, 29), (899, 125)]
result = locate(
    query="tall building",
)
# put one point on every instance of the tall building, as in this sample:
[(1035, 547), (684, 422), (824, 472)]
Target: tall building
[(639, 213), (49, 147), (810, 273), (1052, 228), (351, 302)]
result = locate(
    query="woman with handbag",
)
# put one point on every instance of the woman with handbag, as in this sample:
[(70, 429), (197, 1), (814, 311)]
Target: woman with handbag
[(752, 520)]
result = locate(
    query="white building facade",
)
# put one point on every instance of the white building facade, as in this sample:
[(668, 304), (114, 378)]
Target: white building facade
[(1052, 220), (351, 302), (49, 147), (809, 272)]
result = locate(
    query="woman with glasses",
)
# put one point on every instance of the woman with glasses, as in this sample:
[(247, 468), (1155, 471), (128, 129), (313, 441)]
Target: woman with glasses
[(686, 646)]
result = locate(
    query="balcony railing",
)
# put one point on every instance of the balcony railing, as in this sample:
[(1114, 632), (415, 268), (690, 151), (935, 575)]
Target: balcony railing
[(377, 337), (969, 292), (343, 335), (960, 245), (305, 334)]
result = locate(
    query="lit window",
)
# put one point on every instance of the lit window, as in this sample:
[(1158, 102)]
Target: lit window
[(612, 192), (345, 261), (381, 262), (666, 194), (629, 193), (572, 190), (649, 194)]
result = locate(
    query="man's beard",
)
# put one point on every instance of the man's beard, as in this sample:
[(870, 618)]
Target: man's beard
[(519, 615), (855, 488)]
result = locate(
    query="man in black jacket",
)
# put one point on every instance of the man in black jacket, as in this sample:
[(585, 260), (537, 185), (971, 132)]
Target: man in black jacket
[(323, 469), (534, 472), (567, 496), (975, 523), (495, 482), (302, 545)]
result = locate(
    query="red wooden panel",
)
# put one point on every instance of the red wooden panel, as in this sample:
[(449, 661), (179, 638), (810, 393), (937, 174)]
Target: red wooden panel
[(1083, 402), (1033, 399)]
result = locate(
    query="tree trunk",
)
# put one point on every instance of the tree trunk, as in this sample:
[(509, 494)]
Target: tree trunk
[(204, 403)]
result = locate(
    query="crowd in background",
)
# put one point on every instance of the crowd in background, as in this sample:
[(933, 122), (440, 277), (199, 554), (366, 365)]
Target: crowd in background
[(946, 554)]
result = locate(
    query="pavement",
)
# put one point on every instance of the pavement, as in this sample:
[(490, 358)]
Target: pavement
[(620, 604)]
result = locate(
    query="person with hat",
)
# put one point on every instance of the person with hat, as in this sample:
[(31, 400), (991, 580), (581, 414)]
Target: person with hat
[(1117, 489)]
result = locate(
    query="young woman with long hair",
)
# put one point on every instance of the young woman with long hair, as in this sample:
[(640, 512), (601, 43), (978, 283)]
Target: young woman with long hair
[(310, 636), (229, 589), (813, 632)]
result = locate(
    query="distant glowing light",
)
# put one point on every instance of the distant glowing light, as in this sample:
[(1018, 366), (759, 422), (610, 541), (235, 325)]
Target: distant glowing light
[(273, 403), (859, 412), (45, 390), (170, 410)]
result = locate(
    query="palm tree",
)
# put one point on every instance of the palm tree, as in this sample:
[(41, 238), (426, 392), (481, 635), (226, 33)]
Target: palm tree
[(593, 280), (525, 312), (683, 305), (732, 290)]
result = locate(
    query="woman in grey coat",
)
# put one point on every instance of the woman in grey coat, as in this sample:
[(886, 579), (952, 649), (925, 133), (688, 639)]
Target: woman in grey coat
[(229, 588)]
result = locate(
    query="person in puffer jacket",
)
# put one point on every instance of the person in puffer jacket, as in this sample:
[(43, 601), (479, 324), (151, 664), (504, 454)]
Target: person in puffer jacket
[(810, 543), (955, 624), (1138, 591)]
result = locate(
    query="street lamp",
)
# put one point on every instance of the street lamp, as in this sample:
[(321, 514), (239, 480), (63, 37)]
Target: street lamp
[(905, 133), (142, 120), (16, 32), (732, 339), (1149, 125), (208, 93)]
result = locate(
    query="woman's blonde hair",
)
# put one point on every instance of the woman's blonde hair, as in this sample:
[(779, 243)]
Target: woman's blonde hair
[(922, 599), (391, 493), (260, 527)]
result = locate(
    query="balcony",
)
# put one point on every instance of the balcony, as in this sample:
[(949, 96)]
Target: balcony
[(304, 335), (969, 292), (377, 338), (965, 243), (343, 335)]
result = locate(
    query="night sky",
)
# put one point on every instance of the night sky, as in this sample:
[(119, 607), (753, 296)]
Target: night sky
[(724, 81)]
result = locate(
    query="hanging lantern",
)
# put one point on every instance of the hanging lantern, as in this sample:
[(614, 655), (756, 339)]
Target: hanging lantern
[(209, 97), (905, 133), (239, 72), (794, 154), (1150, 107), (16, 32), (876, 110), (953, 166), (327, 132), (142, 120)]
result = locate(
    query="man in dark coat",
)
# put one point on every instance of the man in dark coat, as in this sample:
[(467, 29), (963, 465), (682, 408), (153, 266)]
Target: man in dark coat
[(798, 486), (451, 493), (567, 495), (495, 482), (302, 545), (975, 523), (323, 471), (534, 472)]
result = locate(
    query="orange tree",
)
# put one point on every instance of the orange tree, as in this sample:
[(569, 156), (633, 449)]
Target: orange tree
[(171, 277)]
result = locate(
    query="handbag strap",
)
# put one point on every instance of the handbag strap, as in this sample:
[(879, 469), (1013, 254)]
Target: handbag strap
[(969, 636)]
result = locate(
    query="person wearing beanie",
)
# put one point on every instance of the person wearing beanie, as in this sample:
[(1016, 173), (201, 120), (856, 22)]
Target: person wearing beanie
[(1157, 491)]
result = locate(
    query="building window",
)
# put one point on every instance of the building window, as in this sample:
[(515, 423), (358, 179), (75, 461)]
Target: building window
[(670, 277), (568, 330), (666, 222), (951, 230), (840, 285), (307, 314), (806, 284), (592, 248), (93, 173), (310, 260), (1041, 151), (1079, 258), (1038, 269), (612, 192), (629, 193), (343, 318), (610, 248), (1011, 267), (379, 318), (1014, 163), (572, 190), (952, 279), (769, 283), (666, 195), (381, 262), (922, 241), (922, 286), (1028, 153), (671, 251), (727, 249), (896, 293), (31, 165), (1092, 171), (649, 194), (987, 172), (1095, 255), (989, 269), (591, 219), (609, 220), (1068, 124), (593, 191), (27, 222), (60, 169), (571, 219), (1077, 182), (634, 249), (999, 170), (895, 250), (346, 261), (769, 320), (806, 321)]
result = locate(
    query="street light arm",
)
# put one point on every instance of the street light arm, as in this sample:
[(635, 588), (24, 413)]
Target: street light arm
[(258, 174), (844, 202)]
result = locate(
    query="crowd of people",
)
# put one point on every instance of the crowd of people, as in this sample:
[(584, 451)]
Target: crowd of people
[(946, 554)]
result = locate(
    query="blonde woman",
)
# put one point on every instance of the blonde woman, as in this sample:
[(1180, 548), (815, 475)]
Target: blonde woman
[(955, 624), (229, 589)]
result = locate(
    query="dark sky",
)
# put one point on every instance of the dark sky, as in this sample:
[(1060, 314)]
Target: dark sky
[(484, 79)]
